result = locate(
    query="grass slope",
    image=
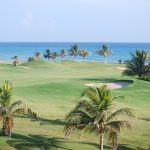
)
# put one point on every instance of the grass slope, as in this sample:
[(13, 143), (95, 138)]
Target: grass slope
[(49, 88)]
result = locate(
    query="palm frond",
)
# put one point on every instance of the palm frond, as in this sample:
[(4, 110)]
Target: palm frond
[(117, 125), (113, 137), (123, 111), (89, 128), (18, 107)]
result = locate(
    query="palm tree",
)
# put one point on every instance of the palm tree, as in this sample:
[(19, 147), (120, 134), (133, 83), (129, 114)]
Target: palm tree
[(93, 114), (10, 110), (104, 52), (54, 55), (137, 65), (37, 55), (63, 53), (83, 53), (74, 50), (47, 54), (15, 60)]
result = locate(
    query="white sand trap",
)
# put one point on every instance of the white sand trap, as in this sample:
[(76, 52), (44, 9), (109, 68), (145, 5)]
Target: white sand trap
[(112, 85), (122, 68)]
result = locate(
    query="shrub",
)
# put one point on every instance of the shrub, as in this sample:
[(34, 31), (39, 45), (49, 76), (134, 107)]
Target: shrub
[(31, 59), (146, 78)]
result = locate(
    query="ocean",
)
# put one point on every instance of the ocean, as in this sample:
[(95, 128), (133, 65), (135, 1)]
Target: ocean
[(26, 49)]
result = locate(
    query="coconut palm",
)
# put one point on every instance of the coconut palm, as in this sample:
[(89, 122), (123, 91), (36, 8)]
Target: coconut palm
[(93, 114), (137, 65), (104, 52), (63, 53), (15, 60), (37, 55), (47, 54), (10, 110), (74, 50), (84, 53), (54, 55)]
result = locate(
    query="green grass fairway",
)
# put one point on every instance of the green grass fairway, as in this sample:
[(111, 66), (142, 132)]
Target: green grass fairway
[(50, 89)]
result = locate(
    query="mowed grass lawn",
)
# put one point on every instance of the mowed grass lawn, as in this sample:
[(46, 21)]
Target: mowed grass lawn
[(50, 89)]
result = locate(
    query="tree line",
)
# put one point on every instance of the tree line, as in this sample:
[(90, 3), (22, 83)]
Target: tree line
[(74, 51)]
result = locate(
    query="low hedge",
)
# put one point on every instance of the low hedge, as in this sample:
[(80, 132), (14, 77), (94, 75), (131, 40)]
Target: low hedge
[(146, 78)]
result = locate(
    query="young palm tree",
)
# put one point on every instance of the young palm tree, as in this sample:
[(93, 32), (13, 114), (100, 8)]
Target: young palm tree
[(137, 65), (93, 114), (74, 50), (37, 55), (47, 54), (63, 53), (104, 52), (84, 53), (15, 60), (10, 110)]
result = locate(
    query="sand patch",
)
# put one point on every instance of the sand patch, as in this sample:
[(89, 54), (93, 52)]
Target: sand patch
[(122, 68), (112, 85)]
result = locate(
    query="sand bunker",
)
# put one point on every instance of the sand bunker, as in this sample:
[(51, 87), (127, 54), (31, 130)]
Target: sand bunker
[(121, 68), (112, 85)]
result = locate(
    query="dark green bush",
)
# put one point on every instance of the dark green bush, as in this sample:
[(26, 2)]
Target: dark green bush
[(146, 78)]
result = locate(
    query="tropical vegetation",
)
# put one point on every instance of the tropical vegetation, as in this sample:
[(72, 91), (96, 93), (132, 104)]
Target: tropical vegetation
[(105, 51), (62, 54), (84, 53), (47, 54), (37, 55), (8, 110), (93, 114), (15, 60), (138, 65), (74, 50)]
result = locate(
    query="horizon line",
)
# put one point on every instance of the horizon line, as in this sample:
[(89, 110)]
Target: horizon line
[(71, 42)]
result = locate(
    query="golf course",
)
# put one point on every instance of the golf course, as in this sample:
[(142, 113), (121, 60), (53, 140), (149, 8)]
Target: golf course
[(51, 89)]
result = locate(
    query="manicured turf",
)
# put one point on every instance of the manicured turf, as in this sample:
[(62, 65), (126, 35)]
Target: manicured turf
[(50, 89)]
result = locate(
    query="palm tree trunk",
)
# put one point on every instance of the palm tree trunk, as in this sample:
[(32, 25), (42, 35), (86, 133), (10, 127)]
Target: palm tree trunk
[(105, 61), (4, 129), (75, 57), (101, 142), (83, 58)]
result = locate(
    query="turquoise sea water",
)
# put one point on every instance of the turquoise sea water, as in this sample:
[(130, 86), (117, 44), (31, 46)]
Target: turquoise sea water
[(24, 50)]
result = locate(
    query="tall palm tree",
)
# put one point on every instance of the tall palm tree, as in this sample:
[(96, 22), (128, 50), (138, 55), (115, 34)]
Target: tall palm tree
[(137, 64), (74, 50), (10, 110), (93, 114), (47, 54), (84, 53), (15, 60), (37, 55), (104, 52), (63, 53)]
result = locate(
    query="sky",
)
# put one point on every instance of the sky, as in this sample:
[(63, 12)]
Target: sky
[(74, 20)]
